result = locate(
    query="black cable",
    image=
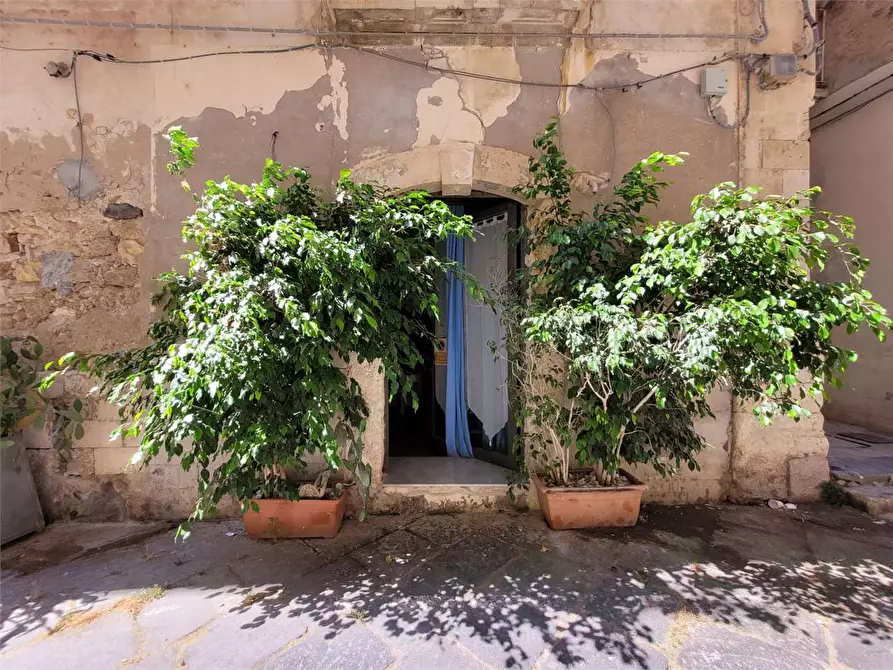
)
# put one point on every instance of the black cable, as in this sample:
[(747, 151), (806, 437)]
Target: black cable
[(810, 21), (607, 109), (77, 102), (740, 122), (109, 58), (520, 82)]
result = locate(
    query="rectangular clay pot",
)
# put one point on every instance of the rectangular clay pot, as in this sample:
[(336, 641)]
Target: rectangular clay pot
[(608, 507), (282, 519)]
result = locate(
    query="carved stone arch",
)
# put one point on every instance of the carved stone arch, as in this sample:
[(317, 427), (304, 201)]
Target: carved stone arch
[(452, 168)]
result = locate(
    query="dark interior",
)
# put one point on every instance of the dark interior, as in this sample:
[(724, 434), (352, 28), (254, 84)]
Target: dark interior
[(422, 432)]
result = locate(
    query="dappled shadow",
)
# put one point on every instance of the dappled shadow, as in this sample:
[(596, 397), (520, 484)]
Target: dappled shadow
[(506, 590)]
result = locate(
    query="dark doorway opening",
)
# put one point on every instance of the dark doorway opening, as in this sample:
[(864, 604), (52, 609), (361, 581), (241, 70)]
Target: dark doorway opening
[(422, 432)]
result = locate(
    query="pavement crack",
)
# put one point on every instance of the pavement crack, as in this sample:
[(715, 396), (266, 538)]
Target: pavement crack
[(179, 647), (291, 644)]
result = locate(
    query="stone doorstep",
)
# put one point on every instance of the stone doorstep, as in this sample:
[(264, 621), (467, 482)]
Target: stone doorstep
[(877, 500), (452, 497), (858, 478)]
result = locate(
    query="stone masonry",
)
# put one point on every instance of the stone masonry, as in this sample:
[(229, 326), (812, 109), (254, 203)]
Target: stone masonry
[(80, 241)]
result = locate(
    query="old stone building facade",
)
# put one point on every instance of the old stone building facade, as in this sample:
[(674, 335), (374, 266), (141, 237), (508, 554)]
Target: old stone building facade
[(441, 95)]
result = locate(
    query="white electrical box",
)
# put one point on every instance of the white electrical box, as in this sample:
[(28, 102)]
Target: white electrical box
[(713, 82)]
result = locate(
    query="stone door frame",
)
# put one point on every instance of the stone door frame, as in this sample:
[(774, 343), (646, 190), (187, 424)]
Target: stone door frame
[(450, 169)]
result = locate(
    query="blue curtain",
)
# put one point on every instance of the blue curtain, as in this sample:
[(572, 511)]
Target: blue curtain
[(458, 440)]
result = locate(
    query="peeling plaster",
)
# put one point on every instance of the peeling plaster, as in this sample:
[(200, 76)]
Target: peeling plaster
[(236, 102), (579, 63), (449, 121), (338, 98), (143, 94), (486, 99), (255, 85), (460, 109)]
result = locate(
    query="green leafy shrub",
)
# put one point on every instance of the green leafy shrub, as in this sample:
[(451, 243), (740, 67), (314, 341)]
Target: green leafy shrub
[(625, 327), (21, 402), (836, 495), (247, 371)]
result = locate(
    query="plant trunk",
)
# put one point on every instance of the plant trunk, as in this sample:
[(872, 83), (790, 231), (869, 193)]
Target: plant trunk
[(599, 471), (566, 466)]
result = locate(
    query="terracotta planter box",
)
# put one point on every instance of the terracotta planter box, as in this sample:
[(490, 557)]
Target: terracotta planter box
[(608, 507), (280, 519)]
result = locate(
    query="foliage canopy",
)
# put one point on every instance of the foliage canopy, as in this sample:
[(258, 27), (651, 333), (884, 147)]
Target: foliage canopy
[(249, 369), (21, 402), (626, 327)]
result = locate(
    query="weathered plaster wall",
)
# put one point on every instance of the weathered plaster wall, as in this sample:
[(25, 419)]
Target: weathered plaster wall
[(79, 279), (852, 160)]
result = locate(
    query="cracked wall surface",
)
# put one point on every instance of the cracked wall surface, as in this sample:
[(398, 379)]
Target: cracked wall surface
[(79, 277)]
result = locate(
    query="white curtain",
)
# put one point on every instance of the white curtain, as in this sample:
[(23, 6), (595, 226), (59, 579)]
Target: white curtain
[(486, 258), (486, 376)]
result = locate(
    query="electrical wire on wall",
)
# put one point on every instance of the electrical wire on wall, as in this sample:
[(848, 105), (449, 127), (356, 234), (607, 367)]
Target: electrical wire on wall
[(598, 96), (111, 59), (712, 101), (424, 64), (813, 25), (77, 102)]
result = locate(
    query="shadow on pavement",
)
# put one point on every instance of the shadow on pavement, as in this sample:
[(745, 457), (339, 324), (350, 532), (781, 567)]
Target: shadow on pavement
[(694, 586)]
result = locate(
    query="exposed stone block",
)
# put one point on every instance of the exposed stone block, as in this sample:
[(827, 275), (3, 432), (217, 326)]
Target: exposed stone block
[(876, 500), (684, 490), (33, 438), (80, 462), (751, 153), (126, 230), (804, 476), (770, 181), (457, 169), (57, 390), (115, 461), (105, 411), (785, 154), (28, 271), (96, 435), (795, 180), (129, 250)]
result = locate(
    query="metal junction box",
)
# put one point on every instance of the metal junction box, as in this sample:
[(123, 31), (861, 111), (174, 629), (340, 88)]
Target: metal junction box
[(713, 82)]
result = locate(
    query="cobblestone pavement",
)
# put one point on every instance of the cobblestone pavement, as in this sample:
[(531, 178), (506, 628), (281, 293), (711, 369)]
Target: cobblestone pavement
[(690, 587)]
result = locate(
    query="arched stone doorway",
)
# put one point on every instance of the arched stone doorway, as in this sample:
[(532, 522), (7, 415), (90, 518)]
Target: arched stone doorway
[(452, 170)]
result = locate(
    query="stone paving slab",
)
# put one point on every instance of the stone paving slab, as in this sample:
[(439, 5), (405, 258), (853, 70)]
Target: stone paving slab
[(718, 648), (66, 542), (689, 587)]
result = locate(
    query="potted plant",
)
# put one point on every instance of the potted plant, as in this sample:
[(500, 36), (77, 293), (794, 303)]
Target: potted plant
[(248, 370), (317, 512), (622, 328), (24, 402)]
